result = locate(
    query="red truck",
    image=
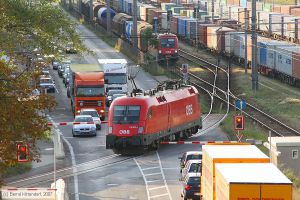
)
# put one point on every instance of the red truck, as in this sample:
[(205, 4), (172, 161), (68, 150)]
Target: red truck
[(86, 88)]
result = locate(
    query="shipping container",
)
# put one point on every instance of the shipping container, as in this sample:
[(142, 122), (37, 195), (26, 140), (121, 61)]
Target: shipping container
[(177, 9), (262, 20), (174, 24), (118, 23), (221, 38), (154, 13), (290, 27), (167, 6), (182, 26), (275, 23), (164, 21), (192, 28), (144, 11), (284, 9), (242, 16), (234, 12), (295, 12), (296, 63), (259, 5), (213, 154), (268, 7), (266, 53), (204, 34), (285, 59), (230, 42), (251, 181), (212, 39)]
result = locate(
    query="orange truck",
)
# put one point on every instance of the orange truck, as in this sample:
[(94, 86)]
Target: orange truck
[(251, 181), (214, 154), (86, 88)]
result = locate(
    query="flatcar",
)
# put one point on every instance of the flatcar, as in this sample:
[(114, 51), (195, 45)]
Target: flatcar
[(140, 122)]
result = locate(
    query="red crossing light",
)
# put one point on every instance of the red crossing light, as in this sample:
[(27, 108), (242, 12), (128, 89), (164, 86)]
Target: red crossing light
[(22, 153), (239, 122)]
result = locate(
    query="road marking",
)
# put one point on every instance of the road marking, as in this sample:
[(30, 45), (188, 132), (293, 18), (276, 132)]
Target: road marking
[(171, 168), (49, 149), (163, 175), (150, 168), (148, 194), (74, 168), (153, 181), (153, 174), (112, 184), (155, 188), (160, 195)]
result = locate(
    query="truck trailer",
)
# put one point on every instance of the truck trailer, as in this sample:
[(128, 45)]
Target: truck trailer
[(214, 154), (87, 88), (115, 74), (248, 181)]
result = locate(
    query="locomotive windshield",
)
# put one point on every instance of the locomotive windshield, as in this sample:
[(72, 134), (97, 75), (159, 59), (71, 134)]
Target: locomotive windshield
[(167, 42), (126, 114)]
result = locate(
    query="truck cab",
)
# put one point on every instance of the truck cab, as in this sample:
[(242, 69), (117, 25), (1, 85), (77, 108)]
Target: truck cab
[(87, 88), (115, 74)]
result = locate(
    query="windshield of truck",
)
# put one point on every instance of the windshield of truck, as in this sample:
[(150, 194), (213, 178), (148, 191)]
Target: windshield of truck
[(115, 78), (90, 91), (167, 42), (126, 114), (194, 157)]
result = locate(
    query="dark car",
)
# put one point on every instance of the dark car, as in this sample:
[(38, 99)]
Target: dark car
[(47, 83), (61, 70), (55, 65), (191, 186), (109, 96)]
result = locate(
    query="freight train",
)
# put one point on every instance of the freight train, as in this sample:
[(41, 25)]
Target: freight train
[(221, 34), (140, 121), (122, 26)]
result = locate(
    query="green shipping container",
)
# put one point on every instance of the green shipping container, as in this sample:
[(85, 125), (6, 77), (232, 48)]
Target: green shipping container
[(267, 7)]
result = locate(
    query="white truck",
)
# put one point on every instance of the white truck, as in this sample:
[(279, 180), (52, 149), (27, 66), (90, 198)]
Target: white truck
[(115, 74)]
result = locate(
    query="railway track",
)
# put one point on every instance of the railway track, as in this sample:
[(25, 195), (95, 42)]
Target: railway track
[(82, 168), (264, 119)]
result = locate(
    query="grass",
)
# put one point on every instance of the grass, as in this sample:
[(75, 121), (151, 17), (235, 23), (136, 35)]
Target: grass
[(19, 168), (281, 100)]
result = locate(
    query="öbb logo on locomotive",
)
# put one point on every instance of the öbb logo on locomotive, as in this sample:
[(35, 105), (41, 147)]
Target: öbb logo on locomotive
[(124, 132)]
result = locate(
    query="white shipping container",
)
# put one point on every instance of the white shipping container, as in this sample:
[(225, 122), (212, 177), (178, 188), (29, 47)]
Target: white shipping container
[(289, 25), (272, 50), (284, 60), (275, 23), (262, 20), (164, 21), (234, 12), (230, 42), (240, 45)]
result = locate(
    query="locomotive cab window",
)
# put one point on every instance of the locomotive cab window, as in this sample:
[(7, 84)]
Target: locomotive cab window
[(167, 42), (126, 114)]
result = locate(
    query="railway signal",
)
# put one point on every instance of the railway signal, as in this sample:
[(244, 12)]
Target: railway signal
[(239, 122), (22, 153)]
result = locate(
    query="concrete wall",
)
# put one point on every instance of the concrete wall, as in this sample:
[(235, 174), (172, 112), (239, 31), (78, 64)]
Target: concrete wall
[(286, 158)]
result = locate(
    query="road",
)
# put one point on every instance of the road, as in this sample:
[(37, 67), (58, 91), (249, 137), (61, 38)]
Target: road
[(99, 173)]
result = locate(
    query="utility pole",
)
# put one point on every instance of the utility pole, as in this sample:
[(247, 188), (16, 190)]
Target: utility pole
[(246, 40), (196, 32), (212, 10), (254, 49), (91, 12), (80, 7), (134, 35), (108, 17)]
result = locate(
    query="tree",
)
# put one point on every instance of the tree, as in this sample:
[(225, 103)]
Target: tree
[(26, 25)]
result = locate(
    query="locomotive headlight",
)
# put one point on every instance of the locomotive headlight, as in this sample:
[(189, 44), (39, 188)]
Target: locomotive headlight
[(109, 130), (175, 51), (99, 103), (81, 103), (140, 130), (159, 51)]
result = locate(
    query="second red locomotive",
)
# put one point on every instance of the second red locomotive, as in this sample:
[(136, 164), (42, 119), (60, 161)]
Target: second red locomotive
[(167, 113), (167, 47)]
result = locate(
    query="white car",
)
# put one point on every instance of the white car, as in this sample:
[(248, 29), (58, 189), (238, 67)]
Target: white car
[(189, 155), (88, 127), (192, 166), (94, 114)]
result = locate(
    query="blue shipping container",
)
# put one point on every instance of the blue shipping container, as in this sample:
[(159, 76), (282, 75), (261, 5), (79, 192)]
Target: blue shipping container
[(181, 26), (262, 53)]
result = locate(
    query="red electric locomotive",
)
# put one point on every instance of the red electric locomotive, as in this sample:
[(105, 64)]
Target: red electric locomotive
[(164, 114), (167, 47)]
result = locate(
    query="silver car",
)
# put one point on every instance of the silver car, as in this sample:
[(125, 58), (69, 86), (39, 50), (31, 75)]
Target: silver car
[(94, 114), (87, 127)]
